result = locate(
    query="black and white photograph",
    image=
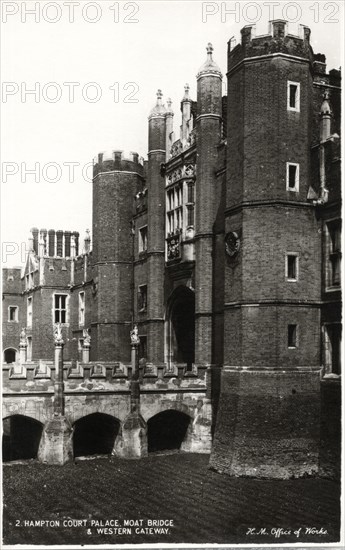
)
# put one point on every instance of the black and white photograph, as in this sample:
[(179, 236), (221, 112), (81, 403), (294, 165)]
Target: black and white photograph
[(171, 254)]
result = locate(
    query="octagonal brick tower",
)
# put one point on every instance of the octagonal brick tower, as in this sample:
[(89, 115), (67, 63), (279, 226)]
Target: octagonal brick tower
[(268, 420), (115, 181)]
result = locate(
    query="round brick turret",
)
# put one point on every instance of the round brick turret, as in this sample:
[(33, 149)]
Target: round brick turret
[(117, 176)]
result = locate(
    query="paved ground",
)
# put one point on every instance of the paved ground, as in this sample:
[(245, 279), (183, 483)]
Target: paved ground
[(203, 506)]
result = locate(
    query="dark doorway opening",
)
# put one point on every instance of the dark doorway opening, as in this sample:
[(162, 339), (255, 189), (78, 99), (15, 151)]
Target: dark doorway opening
[(21, 438), (182, 327), (167, 430), (10, 355), (95, 434)]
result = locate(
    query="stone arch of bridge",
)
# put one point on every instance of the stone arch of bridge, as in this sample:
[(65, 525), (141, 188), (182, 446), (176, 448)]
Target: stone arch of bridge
[(167, 430), (21, 437), (95, 434), (148, 410), (32, 414), (77, 408)]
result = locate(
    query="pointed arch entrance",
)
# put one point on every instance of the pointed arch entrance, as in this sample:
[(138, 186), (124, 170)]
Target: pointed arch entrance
[(180, 327)]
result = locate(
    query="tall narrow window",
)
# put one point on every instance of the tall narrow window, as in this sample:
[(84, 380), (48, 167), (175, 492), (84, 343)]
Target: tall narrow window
[(291, 266), (332, 348), (190, 215), (142, 298), (190, 205), (142, 351), (60, 308), (29, 280), (191, 192), (29, 312), (81, 308), (292, 176), (143, 239), (292, 336), (80, 347), (334, 253), (293, 96), (13, 314), (29, 349)]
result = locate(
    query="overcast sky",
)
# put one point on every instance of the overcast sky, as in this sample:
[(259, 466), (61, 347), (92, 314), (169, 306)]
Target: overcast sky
[(161, 45)]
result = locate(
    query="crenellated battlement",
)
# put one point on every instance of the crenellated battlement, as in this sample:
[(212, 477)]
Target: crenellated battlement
[(116, 160), (277, 40)]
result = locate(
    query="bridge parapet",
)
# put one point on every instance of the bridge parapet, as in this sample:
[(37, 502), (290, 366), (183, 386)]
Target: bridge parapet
[(39, 377)]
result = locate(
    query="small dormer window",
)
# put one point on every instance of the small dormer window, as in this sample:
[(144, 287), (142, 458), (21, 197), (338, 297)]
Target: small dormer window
[(293, 96)]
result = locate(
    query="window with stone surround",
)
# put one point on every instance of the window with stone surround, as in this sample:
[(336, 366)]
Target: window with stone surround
[(180, 198), (293, 96), (142, 298), (292, 336), (81, 308), (333, 254), (29, 349), (29, 280), (292, 177), (143, 239), (13, 314), (174, 210), (142, 350), (332, 348), (29, 312), (60, 308), (291, 266), (80, 347), (190, 204)]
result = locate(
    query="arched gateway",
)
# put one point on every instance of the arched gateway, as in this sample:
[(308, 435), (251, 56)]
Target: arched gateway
[(180, 327)]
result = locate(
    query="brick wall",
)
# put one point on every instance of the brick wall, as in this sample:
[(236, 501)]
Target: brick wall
[(268, 424)]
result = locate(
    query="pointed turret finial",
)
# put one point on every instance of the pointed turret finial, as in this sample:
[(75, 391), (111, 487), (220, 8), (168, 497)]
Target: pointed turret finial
[(209, 66), (158, 109), (159, 97), (186, 91), (169, 103), (87, 241)]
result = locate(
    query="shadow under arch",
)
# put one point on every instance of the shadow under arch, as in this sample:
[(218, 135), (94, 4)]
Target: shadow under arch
[(95, 434), (10, 355), (21, 437), (167, 430), (180, 327)]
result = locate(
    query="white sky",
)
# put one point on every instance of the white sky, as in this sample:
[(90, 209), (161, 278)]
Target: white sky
[(164, 49)]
